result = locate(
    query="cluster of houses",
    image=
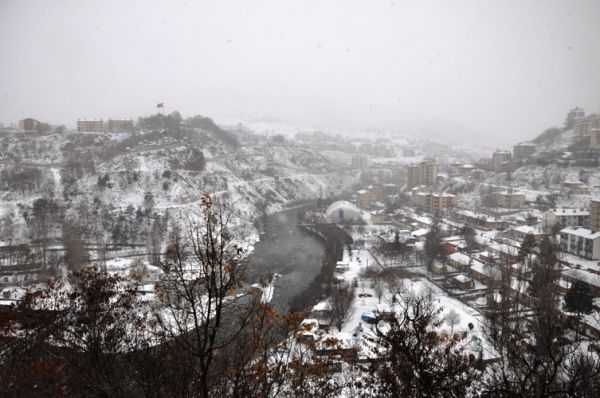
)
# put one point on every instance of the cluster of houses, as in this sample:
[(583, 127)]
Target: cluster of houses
[(499, 234)]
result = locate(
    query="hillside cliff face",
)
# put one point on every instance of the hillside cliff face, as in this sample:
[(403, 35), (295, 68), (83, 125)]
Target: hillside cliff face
[(159, 173)]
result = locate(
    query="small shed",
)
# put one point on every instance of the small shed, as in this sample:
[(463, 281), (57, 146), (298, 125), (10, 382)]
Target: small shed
[(462, 282)]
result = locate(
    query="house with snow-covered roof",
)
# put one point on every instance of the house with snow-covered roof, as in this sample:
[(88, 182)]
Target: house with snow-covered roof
[(480, 219), (505, 252), (462, 282), (592, 279), (522, 231)]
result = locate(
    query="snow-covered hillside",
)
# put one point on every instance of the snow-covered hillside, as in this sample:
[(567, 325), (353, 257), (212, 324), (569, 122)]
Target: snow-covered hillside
[(167, 172)]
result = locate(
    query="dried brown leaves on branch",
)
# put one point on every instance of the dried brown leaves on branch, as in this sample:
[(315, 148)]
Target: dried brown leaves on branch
[(204, 334)]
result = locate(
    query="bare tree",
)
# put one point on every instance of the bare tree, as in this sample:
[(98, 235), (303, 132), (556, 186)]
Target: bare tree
[(433, 243), (342, 297), (204, 335), (7, 229), (76, 255), (148, 202), (73, 340), (42, 219), (452, 318), (537, 356), (154, 244), (379, 288), (200, 316)]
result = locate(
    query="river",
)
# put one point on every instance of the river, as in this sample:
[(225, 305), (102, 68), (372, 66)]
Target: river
[(288, 251)]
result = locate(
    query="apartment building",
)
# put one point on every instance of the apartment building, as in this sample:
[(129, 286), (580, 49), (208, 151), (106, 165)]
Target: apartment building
[(435, 202), (574, 116), (367, 198), (595, 138), (565, 218), (120, 125), (523, 151), (501, 161), (581, 242), (360, 162), (594, 220), (92, 125), (584, 127), (28, 125), (509, 199), (424, 173)]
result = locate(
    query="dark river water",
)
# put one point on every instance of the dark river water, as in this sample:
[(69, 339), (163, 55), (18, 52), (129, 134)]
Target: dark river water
[(286, 250)]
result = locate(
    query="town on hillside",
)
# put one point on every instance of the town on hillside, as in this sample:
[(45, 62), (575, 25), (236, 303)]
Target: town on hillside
[(300, 199), (393, 217)]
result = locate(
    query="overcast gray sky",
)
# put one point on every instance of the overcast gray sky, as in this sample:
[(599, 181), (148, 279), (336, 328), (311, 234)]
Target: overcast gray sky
[(504, 68)]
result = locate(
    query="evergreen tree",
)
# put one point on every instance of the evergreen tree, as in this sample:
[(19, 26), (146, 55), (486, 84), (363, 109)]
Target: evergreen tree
[(470, 238), (527, 248), (579, 299), (433, 242), (545, 274)]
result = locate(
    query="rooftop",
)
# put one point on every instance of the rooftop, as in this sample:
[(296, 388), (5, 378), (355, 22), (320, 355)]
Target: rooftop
[(509, 193), (526, 229), (570, 212), (582, 232)]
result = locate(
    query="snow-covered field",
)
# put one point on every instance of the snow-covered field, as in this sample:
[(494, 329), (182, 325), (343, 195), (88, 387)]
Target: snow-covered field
[(367, 303)]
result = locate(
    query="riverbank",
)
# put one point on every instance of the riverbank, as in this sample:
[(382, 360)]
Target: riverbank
[(285, 249), (334, 239)]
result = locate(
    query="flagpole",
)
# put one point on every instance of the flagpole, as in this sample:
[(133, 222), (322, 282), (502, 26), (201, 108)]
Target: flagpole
[(161, 107)]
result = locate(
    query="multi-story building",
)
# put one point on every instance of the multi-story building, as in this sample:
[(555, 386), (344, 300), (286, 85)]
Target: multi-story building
[(509, 199), (365, 148), (367, 198), (581, 242), (574, 116), (429, 173), (595, 138), (565, 218), (435, 202), (413, 176), (584, 127), (120, 125), (523, 151), (390, 189), (28, 125), (92, 125), (501, 161), (424, 173), (576, 187), (459, 168), (594, 220), (360, 161)]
